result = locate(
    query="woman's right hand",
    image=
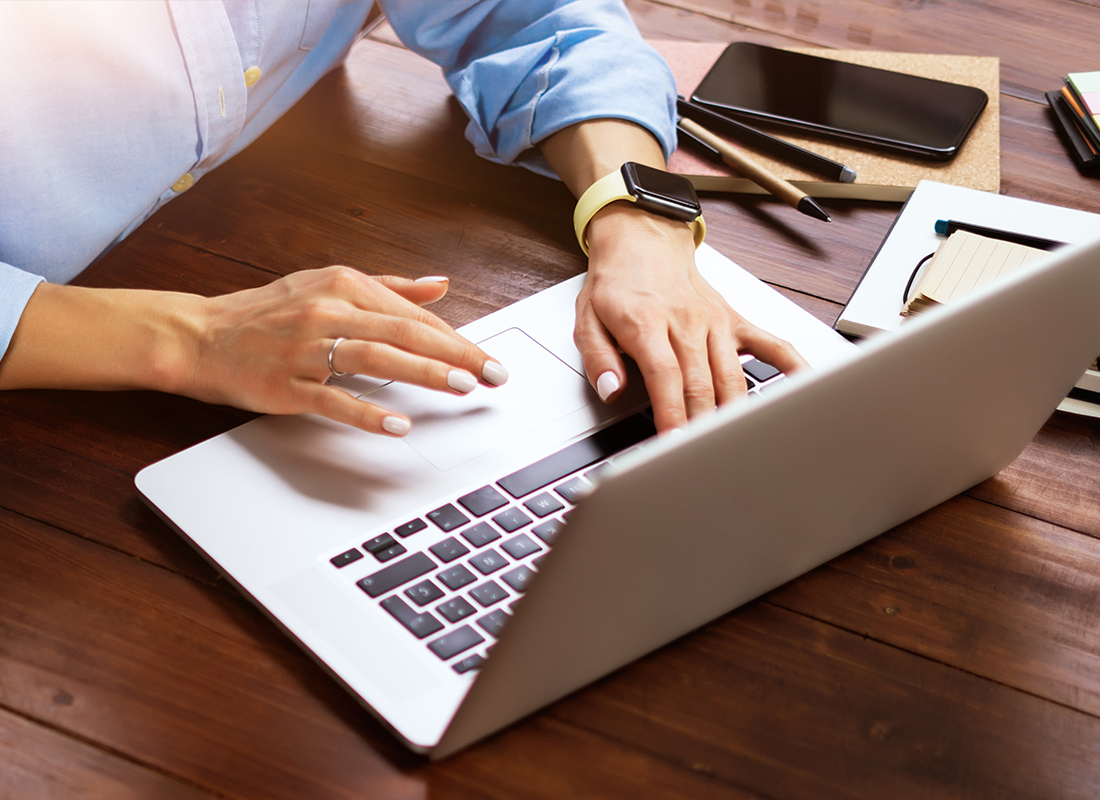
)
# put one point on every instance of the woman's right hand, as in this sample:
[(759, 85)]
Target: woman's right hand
[(265, 349), (268, 349)]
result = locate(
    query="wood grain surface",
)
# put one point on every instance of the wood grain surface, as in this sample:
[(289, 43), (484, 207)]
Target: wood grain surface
[(957, 655)]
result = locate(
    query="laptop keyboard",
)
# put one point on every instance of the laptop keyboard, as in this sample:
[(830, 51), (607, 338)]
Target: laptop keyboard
[(458, 591)]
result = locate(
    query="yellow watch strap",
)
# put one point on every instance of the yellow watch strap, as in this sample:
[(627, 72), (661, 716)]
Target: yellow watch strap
[(608, 189)]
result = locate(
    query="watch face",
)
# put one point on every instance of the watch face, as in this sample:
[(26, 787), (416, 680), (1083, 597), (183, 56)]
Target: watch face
[(664, 193)]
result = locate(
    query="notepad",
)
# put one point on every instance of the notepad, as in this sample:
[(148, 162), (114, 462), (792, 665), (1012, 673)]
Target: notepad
[(962, 263)]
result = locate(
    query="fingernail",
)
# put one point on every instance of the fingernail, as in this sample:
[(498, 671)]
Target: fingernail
[(607, 384), (396, 425), (494, 374), (461, 381), (431, 279)]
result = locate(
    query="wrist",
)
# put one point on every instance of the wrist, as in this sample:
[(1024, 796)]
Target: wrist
[(651, 190), (621, 222)]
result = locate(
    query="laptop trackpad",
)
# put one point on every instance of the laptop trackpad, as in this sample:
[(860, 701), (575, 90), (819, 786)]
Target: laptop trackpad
[(449, 430)]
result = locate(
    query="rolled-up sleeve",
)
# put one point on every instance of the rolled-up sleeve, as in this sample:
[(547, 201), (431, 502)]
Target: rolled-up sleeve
[(16, 288), (524, 69)]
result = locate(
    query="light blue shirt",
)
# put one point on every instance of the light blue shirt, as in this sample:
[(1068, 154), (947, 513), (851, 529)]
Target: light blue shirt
[(113, 108)]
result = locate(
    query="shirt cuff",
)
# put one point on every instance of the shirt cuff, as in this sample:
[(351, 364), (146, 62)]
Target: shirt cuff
[(16, 288)]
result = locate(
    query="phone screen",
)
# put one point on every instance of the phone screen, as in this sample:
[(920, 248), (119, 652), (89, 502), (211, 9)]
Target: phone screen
[(914, 115)]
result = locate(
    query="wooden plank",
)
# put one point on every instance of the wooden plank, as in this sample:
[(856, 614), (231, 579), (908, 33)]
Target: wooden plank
[(786, 706), (983, 589), (1056, 478), (542, 758), (36, 762)]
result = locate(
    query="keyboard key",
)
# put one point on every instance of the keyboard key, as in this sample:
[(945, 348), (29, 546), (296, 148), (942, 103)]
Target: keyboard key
[(573, 489), (543, 505), (767, 387), (482, 501), (409, 528), (456, 577), (453, 643), (488, 593), (521, 546), (456, 609), (379, 543), (488, 561), (492, 622), (420, 624), (344, 559), (759, 370), (512, 520), (481, 534), (519, 577), (424, 593), (598, 446), (468, 663), (448, 517), (449, 549), (595, 473), (396, 574), (396, 550), (548, 530)]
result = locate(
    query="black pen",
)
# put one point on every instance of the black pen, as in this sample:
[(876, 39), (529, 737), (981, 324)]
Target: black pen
[(772, 145), (946, 227)]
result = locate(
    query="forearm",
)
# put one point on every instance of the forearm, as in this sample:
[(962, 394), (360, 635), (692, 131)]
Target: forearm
[(73, 337), (583, 153)]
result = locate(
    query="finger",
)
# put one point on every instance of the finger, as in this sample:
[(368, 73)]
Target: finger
[(660, 370), (384, 298), (602, 363), (421, 291), (382, 361), (418, 339), (339, 406), (770, 349), (692, 354), (725, 367)]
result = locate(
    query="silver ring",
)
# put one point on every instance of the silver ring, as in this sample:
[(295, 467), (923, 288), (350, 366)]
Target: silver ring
[(332, 352)]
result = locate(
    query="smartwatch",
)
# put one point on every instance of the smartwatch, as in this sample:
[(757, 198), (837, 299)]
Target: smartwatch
[(655, 190)]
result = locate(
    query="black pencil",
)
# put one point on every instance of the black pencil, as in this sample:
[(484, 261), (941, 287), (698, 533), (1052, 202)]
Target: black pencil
[(772, 145)]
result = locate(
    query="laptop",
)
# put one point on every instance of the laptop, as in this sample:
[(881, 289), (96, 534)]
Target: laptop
[(525, 541)]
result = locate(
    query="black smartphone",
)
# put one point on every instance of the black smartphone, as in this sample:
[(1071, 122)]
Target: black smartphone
[(904, 113)]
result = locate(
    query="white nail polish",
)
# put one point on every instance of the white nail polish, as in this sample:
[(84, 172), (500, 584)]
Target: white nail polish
[(494, 374), (461, 381), (431, 279), (607, 384), (396, 426)]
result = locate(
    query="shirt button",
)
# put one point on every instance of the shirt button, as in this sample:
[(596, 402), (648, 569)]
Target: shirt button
[(251, 75), (184, 183)]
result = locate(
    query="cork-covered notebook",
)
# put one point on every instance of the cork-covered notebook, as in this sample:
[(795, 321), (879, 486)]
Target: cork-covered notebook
[(879, 176)]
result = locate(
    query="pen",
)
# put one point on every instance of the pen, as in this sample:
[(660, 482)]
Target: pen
[(756, 173), (946, 227), (772, 145)]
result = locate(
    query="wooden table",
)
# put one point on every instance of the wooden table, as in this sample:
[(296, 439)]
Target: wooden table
[(957, 655)]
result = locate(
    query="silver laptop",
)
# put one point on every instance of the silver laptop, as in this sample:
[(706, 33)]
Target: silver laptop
[(524, 541)]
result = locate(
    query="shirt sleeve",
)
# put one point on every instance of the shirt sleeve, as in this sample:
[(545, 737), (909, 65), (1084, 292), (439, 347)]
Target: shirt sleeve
[(524, 69), (16, 288)]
